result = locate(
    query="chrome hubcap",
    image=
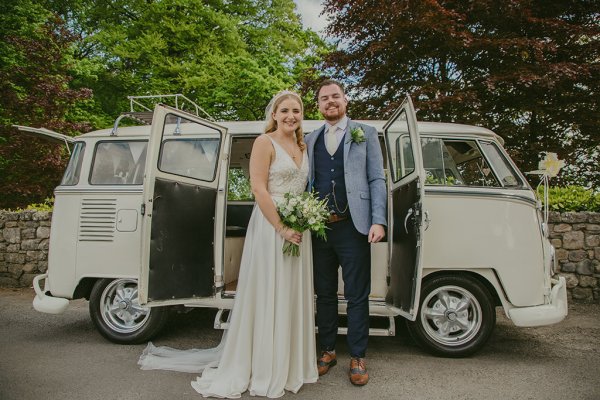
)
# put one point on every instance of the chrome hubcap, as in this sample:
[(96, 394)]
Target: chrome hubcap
[(451, 315), (121, 310)]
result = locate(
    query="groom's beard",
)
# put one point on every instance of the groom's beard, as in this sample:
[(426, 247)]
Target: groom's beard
[(335, 115)]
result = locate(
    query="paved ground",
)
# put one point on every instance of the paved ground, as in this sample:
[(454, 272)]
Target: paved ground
[(62, 357)]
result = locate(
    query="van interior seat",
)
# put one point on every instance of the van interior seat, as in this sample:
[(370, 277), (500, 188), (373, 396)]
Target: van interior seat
[(233, 255)]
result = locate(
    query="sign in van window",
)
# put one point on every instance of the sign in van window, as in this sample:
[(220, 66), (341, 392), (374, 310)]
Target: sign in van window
[(119, 163)]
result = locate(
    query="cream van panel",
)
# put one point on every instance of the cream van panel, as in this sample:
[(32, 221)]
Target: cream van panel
[(470, 232)]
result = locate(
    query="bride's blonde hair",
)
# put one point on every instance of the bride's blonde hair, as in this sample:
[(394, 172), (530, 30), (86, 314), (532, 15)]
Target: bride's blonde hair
[(271, 125)]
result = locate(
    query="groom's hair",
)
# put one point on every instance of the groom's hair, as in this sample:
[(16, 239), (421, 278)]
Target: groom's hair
[(327, 82)]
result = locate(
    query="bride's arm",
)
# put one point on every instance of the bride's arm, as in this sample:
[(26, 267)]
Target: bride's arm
[(261, 158)]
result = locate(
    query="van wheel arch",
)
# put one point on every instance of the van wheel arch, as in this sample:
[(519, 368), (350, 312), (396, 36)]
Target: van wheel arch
[(84, 288), (473, 275)]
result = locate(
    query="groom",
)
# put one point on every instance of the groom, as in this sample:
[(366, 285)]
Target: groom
[(346, 168)]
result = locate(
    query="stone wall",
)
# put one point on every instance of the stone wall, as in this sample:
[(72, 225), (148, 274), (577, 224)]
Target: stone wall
[(576, 238), (24, 240)]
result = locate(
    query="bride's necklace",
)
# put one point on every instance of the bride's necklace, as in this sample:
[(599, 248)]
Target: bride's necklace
[(292, 152)]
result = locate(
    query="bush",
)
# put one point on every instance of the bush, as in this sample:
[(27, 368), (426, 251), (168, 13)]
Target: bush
[(47, 205), (571, 198)]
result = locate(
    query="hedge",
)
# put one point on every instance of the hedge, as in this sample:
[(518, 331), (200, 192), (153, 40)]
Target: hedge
[(571, 198)]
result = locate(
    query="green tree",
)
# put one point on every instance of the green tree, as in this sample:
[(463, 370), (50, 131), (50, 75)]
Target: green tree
[(34, 90), (527, 69), (229, 57)]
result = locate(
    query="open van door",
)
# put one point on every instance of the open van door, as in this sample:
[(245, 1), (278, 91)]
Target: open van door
[(180, 196), (405, 198), (47, 134)]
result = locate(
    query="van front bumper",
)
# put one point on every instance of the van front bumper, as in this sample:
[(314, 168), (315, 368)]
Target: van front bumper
[(44, 303), (546, 314)]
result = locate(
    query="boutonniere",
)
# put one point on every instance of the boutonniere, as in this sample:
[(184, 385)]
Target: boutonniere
[(358, 135)]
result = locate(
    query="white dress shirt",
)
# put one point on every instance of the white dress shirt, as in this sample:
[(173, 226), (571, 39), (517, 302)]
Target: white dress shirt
[(340, 128)]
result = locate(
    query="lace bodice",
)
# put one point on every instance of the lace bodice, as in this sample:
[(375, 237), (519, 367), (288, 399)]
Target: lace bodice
[(284, 175)]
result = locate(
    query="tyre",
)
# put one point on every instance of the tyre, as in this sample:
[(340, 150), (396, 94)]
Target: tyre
[(117, 314), (456, 316)]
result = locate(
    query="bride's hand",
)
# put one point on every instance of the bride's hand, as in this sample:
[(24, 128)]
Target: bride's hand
[(291, 235)]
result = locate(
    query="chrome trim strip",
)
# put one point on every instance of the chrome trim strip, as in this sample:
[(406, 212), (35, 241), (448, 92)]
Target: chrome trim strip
[(479, 193), (96, 190)]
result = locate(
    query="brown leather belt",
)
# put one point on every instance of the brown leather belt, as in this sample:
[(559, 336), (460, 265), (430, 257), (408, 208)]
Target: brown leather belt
[(335, 218)]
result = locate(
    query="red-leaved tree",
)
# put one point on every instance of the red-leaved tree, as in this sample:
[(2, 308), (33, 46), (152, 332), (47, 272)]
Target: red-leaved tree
[(527, 69), (34, 91)]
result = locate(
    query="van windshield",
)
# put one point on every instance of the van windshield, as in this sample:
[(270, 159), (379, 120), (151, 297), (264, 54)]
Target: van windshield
[(119, 162), (71, 176), (504, 170)]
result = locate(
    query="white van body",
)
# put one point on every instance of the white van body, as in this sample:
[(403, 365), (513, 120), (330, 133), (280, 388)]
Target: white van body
[(145, 219)]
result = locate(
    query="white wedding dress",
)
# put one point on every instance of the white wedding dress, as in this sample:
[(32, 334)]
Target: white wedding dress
[(270, 344)]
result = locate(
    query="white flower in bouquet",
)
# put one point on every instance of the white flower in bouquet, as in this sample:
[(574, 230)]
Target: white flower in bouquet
[(302, 212)]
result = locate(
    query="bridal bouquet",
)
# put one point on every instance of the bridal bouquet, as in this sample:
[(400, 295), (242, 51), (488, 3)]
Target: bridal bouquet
[(302, 212)]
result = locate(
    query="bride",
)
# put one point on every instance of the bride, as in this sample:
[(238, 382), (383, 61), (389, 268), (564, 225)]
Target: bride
[(270, 344)]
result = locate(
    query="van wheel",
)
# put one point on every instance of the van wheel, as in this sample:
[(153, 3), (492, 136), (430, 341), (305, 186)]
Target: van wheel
[(117, 314), (456, 316)]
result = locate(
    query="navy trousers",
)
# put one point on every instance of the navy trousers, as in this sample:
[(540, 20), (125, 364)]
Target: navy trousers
[(348, 248)]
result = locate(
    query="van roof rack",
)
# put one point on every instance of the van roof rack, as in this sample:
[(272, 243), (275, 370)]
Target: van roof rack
[(179, 101)]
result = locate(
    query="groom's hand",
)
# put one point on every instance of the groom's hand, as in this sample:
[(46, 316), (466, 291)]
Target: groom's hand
[(376, 233)]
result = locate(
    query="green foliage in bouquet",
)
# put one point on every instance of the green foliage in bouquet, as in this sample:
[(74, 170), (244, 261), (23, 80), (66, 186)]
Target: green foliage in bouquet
[(302, 212), (571, 198)]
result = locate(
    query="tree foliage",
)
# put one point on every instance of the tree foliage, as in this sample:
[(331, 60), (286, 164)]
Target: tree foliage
[(34, 88), (69, 65), (527, 69), (229, 57)]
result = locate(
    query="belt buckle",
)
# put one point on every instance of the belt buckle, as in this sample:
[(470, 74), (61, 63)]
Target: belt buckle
[(335, 218)]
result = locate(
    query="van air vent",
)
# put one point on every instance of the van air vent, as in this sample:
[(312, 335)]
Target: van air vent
[(97, 220)]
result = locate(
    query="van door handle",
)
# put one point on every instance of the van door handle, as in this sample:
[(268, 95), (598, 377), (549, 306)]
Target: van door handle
[(408, 215), (427, 219)]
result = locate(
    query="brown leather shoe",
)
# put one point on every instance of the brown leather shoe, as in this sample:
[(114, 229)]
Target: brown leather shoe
[(326, 361), (358, 371)]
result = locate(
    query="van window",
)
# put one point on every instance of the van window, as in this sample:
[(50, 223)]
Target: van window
[(193, 158), (401, 153), (456, 163), (119, 163), (71, 176), (504, 170)]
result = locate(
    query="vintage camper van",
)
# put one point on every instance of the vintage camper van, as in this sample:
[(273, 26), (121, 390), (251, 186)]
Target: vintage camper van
[(154, 216)]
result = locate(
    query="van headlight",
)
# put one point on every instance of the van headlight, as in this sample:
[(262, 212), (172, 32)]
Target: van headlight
[(545, 230)]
